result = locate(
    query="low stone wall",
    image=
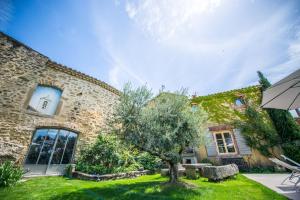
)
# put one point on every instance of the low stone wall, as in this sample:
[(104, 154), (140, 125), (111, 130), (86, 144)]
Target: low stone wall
[(133, 174)]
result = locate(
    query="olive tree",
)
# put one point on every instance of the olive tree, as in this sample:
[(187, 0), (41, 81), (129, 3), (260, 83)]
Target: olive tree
[(162, 126)]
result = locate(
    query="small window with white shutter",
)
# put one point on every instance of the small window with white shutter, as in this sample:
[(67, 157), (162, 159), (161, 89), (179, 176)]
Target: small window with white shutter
[(224, 142)]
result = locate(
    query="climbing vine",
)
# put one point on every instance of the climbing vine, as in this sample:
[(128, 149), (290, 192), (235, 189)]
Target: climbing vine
[(221, 107), (254, 122)]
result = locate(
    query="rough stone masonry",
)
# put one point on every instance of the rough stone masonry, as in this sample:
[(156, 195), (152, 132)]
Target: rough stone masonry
[(85, 105)]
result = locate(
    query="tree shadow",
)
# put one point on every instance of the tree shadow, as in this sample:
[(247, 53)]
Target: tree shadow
[(131, 191)]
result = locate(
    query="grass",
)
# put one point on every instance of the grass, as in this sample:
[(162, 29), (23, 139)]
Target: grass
[(145, 188)]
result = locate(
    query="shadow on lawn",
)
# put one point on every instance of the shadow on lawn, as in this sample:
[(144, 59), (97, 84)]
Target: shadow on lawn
[(143, 190)]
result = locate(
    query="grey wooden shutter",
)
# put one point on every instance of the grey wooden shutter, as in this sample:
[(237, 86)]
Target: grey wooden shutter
[(211, 147), (241, 143)]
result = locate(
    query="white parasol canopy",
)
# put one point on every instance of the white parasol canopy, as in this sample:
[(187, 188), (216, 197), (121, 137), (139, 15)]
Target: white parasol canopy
[(285, 94)]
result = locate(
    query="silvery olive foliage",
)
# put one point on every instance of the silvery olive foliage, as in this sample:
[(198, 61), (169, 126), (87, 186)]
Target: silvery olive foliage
[(163, 125)]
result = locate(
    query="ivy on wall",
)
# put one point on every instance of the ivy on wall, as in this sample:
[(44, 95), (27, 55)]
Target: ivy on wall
[(221, 107)]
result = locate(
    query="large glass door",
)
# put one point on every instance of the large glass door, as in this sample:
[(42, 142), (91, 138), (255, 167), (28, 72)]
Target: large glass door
[(50, 151)]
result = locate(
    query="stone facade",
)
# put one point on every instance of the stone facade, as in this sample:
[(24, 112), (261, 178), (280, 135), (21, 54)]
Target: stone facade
[(85, 106)]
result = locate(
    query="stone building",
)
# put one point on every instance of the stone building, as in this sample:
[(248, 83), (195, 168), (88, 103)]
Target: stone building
[(47, 111), (226, 144)]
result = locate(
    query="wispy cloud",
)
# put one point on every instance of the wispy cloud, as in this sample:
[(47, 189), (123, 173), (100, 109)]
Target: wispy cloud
[(6, 9), (164, 19), (120, 72), (207, 46)]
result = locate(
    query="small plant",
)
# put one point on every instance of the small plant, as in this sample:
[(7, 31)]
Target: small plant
[(68, 171), (9, 174)]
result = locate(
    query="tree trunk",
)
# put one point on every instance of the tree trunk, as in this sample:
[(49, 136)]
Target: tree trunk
[(173, 173)]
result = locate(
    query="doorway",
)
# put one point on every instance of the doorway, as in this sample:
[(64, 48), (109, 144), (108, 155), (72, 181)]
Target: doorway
[(50, 151)]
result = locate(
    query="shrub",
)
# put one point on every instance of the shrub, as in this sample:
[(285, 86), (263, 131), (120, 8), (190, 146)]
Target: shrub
[(68, 171), (258, 130), (291, 150), (9, 174), (106, 156), (287, 128), (149, 162)]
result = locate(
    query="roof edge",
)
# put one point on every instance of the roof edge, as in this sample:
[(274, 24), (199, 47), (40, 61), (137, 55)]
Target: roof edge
[(65, 69), (234, 90)]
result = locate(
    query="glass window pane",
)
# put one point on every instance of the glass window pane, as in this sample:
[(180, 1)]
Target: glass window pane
[(239, 102), (222, 149), (219, 136), (47, 147), (36, 146), (229, 143), (220, 143), (69, 148), (42, 147), (60, 146)]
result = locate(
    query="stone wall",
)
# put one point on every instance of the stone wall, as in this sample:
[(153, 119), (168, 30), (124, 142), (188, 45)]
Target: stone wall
[(105, 177), (85, 106)]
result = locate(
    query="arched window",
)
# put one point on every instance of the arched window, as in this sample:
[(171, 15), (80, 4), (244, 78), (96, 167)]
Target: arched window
[(50, 151), (45, 100)]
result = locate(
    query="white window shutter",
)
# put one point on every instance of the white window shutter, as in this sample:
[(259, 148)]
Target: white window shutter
[(244, 149), (211, 147)]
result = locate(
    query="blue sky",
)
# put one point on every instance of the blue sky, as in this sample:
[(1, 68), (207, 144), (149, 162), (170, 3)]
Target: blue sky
[(206, 46)]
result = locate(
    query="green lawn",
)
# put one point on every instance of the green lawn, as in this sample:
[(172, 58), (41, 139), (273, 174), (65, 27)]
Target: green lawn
[(145, 187)]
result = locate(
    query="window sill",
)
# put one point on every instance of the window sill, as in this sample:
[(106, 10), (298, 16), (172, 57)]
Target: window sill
[(38, 114)]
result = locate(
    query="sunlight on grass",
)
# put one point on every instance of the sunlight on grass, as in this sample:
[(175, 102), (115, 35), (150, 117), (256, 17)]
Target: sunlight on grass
[(144, 187)]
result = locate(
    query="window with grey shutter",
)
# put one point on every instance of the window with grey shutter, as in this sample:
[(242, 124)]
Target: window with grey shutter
[(211, 147), (244, 149)]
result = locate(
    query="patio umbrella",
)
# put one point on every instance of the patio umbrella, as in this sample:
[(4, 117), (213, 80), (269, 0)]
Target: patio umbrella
[(284, 94)]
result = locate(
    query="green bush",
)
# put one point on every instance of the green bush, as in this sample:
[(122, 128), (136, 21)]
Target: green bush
[(291, 150), (148, 161), (258, 130), (9, 174), (287, 128), (106, 156), (68, 171)]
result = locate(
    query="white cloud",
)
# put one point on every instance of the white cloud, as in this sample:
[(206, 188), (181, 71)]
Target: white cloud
[(207, 46), (119, 74), (197, 28), (163, 19)]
